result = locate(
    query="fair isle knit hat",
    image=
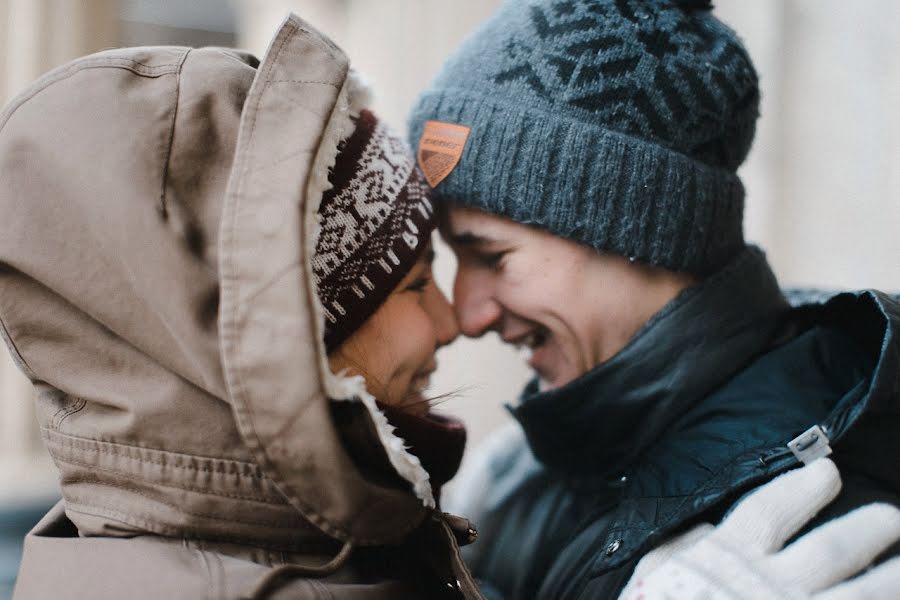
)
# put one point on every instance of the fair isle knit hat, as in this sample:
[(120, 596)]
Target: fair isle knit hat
[(616, 123), (374, 224)]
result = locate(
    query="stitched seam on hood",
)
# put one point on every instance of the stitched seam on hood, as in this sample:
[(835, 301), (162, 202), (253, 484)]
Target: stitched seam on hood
[(247, 469), (67, 411), (177, 508), (171, 142), (179, 532), (105, 62), (133, 477), (17, 357)]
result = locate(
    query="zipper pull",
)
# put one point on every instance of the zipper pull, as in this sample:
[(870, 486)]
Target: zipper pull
[(463, 529), (810, 445)]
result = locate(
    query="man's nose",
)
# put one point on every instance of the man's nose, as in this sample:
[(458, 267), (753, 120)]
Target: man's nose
[(476, 310)]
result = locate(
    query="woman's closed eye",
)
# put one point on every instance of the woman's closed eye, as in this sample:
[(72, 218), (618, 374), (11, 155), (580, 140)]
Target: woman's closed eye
[(419, 283)]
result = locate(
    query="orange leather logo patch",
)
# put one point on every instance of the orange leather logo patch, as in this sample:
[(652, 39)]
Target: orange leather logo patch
[(440, 148)]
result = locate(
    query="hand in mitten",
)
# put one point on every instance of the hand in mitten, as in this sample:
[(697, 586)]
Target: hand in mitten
[(743, 557)]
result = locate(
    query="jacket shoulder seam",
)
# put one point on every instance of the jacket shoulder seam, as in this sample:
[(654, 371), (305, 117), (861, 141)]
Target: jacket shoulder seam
[(65, 72)]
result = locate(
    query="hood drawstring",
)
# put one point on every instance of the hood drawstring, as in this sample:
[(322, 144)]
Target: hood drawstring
[(268, 583)]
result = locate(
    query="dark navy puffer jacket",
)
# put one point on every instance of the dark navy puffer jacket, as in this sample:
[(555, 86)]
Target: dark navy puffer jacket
[(693, 413)]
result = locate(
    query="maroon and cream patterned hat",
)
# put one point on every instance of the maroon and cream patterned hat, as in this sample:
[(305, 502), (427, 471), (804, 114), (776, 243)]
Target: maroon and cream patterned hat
[(374, 224)]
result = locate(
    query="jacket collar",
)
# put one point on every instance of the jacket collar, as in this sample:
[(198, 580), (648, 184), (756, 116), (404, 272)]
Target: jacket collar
[(603, 420)]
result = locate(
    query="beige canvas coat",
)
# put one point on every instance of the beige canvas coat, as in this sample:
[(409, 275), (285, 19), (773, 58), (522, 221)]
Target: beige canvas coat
[(157, 214)]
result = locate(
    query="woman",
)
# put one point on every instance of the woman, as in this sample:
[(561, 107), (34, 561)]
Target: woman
[(173, 270)]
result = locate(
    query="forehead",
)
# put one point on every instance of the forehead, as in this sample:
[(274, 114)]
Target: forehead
[(466, 226)]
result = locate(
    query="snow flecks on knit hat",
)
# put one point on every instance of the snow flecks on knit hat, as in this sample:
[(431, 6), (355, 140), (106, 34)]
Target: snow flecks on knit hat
[(374, 224)]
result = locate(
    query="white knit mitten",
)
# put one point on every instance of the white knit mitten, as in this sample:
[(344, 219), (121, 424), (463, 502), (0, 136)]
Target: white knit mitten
[(742, 558)]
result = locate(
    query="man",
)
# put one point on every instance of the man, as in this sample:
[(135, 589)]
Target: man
[(584, 155)]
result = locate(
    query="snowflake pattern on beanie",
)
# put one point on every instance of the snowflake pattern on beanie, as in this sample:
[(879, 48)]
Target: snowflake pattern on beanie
[(374, 223)]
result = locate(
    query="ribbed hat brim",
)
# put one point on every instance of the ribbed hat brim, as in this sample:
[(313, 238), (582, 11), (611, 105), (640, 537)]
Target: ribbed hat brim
[(593, 185)]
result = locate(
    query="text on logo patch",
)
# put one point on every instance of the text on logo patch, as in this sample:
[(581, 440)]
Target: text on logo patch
[(440, 149)]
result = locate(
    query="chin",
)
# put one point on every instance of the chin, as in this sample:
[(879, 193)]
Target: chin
[(551, 382)]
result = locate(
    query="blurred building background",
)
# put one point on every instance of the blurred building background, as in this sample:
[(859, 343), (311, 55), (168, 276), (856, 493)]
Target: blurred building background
[(823, 179)]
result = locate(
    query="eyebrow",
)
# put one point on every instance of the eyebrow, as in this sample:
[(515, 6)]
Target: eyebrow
[(467, 238)]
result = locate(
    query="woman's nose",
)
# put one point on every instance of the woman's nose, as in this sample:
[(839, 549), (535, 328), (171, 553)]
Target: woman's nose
[(446, 326)]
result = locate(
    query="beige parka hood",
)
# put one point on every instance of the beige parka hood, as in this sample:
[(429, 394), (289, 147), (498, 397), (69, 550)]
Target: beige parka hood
[(158, 212)]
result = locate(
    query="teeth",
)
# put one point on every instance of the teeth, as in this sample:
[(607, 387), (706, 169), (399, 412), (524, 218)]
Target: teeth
[(532, 340), (524, 352)]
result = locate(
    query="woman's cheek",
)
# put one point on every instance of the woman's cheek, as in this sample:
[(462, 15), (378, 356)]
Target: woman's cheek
[(416, 345), (425, 338)]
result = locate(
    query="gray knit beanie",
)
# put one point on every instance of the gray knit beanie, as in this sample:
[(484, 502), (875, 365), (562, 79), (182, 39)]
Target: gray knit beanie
[(616, 123)]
